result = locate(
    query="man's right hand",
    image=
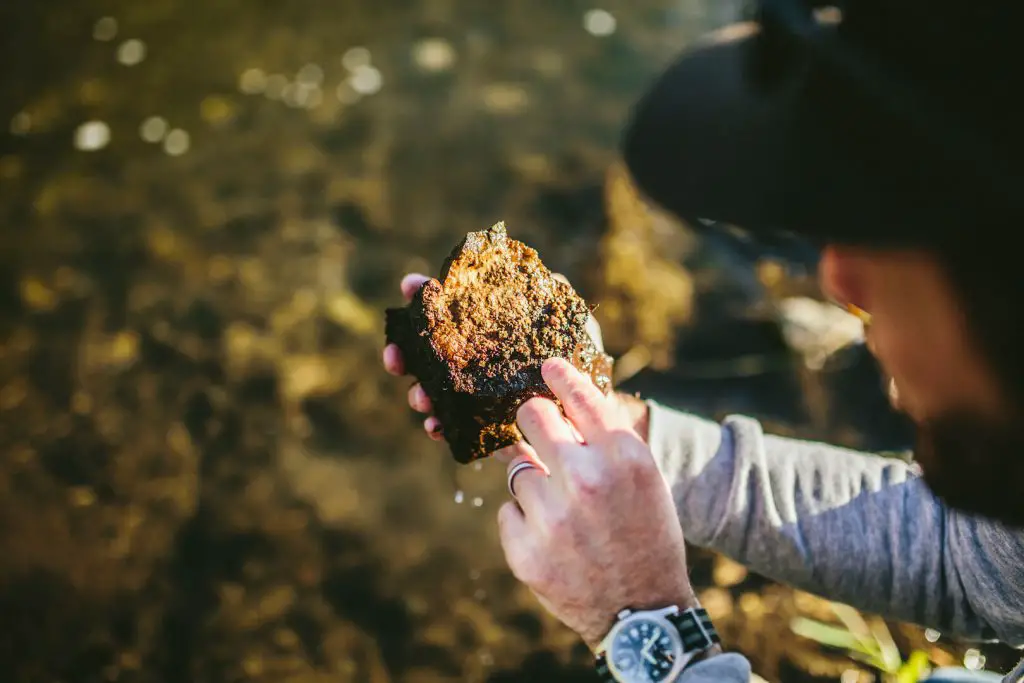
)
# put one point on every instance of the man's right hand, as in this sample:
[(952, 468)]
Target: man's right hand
[(635, 409)]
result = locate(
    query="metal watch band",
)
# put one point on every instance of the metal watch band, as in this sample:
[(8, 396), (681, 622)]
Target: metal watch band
[(696, 631)]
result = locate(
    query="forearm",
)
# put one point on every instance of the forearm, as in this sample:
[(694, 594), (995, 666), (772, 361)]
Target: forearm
[(856, 528)]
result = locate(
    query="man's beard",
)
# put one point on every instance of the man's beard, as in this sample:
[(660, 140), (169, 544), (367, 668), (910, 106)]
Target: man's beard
[(974, 464)]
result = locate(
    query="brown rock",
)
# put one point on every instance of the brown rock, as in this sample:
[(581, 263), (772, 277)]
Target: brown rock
[(477, 337)]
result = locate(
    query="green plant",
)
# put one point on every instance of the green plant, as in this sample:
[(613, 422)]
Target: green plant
[(871, 644)]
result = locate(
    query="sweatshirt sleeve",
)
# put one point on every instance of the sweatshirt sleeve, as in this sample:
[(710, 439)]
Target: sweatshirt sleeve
[(724, 668), (855, 528)]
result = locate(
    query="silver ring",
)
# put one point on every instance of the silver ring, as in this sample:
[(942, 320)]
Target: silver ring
[(524, 465)]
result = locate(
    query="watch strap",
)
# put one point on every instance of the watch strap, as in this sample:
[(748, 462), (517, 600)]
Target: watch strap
[(604, 673), (695, 629)]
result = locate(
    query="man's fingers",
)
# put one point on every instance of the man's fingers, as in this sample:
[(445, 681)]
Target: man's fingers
[(411, 284), (528, 484), (520, 449), (393, 361), (418, 399), (584, 404), (542, 424), (514, 533), (433, 428)]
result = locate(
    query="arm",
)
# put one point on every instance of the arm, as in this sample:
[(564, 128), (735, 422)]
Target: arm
[(856, 528)]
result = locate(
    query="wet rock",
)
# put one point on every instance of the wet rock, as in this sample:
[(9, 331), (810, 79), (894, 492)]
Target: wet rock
[(476, 339)]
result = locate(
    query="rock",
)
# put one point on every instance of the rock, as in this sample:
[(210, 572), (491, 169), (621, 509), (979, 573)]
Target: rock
[(477, 337)]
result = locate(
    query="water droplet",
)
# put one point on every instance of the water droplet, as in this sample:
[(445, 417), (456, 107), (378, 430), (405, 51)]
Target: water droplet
[(366, 80), (931, 635), (131, 52), (153, 129), (105, 29), (355, 57), (21, 124), (177, 142), (974, 660), (92, 135), (252, 81), (599, 22), (310, 74), (433, 54), (274, 89), (459, 497), (479, 594), (478, 501), (474, 574)]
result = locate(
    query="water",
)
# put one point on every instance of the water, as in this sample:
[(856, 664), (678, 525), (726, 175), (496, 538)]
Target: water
[(205, 209)]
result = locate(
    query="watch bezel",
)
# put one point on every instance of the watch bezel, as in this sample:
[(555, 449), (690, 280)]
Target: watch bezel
[(682, 657)]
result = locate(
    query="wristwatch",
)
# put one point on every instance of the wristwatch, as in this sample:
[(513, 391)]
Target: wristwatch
[(654, 646)]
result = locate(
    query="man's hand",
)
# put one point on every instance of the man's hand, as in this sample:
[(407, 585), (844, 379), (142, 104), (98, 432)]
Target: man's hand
[(599, 533), (635, 409)]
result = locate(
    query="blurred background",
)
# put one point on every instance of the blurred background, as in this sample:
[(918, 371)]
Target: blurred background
[(205, 208)]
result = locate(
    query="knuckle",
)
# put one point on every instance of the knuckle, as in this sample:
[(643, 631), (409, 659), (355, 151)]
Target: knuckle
[(579, 398), (528, 411), (635, 459), (628, 447), (583, 484)]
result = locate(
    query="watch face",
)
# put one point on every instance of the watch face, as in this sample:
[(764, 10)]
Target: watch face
[(644, 649)]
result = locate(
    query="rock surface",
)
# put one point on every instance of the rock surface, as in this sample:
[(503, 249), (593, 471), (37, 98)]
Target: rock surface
[(476, 339)]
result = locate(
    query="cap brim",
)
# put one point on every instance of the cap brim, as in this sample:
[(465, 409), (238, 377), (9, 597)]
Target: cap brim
[(704, 142)]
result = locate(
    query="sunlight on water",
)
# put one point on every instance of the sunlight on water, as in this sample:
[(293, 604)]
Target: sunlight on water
[(177, 142), (252, 81), (974, 660), (153, 129), (92, 135), (366, 80), (105, 29), (310, 75), (599, 22), (433, 54), (355, 58), (131, 52), (275, 86)]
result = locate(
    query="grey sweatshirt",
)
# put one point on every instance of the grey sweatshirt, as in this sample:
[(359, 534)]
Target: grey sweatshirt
[(855, 528)]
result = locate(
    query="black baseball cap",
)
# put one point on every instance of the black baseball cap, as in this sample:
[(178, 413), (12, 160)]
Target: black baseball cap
[(876, 122)]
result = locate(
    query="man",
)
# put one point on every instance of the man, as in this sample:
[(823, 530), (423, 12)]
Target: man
[(885, 135)]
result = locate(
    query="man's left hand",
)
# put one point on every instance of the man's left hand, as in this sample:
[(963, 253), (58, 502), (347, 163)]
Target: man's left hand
[(597, 531)]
